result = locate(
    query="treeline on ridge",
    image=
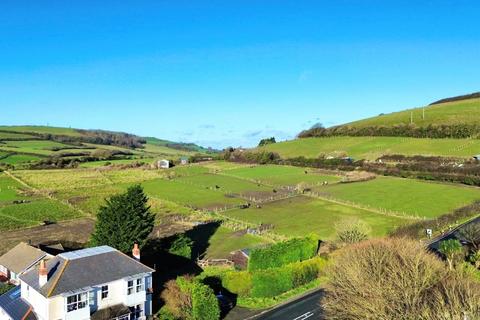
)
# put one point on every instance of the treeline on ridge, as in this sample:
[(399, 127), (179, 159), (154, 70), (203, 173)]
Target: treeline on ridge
[(455, 131), (103, 137)]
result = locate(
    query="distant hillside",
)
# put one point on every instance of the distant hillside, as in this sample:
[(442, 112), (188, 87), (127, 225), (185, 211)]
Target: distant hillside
[(179, 145), (456, 119), (54, 147), (458, 98)]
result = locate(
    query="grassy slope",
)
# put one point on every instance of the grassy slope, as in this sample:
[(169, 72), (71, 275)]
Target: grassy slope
[(457, 112), (301, 215), (36, 149), (36, 210), (225, 241), (405, 196), (465, 111), (374, 147), (42, 130), (281, 175)]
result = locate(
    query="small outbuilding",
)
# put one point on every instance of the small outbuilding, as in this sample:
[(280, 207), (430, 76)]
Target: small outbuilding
[(163, 164), (183, 160), (19, 260)]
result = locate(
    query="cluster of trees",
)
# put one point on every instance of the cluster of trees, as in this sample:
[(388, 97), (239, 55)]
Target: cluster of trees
[(397, 278), (62, 162), (187, 298), (245, 156), (457, 131), (95, 136), (267, 141)]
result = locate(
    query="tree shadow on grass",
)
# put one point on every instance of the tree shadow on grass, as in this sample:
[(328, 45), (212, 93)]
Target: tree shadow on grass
[(169, 266)]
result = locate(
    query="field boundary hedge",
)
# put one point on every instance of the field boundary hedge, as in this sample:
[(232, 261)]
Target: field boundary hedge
[(283, 253)]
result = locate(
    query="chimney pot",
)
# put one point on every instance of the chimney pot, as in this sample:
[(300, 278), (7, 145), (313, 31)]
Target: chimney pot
[(42, 273), (136, 252)]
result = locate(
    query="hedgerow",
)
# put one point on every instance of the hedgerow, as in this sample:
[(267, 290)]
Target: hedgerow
[(283, 253), (274, 281)]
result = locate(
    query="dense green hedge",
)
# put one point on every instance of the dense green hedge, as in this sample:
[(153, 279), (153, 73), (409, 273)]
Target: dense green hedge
[(283, 253), (204, 302), (274, 281), (239, 282)]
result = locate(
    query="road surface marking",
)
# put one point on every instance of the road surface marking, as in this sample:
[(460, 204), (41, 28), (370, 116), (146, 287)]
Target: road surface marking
[(304, 316)]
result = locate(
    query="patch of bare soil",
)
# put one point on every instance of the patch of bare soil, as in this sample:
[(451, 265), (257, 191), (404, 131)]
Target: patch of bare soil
[(75, 231)]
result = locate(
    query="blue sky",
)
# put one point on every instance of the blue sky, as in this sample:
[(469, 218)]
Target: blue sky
[(231, 72)]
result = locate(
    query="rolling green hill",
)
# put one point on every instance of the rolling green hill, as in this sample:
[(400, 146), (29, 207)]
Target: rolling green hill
[(24, 146), (448, 113), (367, 139), (371, 148)]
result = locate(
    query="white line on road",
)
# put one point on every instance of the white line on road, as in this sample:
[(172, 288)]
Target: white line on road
[(304, 316)]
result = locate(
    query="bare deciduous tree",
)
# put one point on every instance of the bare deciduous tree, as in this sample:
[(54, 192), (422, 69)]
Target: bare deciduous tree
[(397, 279)]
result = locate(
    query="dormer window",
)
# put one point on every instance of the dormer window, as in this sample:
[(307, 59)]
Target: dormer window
[(76, 302)]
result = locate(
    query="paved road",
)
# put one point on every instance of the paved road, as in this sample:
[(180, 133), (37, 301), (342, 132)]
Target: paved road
[(307, 307), (453, 234)]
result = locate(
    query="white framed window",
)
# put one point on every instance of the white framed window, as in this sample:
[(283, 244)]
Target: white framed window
[(139, 286), (130, 287), (76, 302), (91, 298), (104, 292)]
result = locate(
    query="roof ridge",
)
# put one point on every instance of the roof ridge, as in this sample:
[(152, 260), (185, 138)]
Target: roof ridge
[(49, 293), (139, 262)]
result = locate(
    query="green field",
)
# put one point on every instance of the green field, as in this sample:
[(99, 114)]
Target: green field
[(457, 112), (40, 147), (9, 189), (301, 215), (188, 194), (26, 146), (224, 241), (19, 158), (373, 147), (382, 204), (225, 184), (36, 209), (41, 130), (404, 196), (281, 175)]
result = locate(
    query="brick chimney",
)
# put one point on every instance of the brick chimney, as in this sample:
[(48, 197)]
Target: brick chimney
[(136, 252), (42, 274)]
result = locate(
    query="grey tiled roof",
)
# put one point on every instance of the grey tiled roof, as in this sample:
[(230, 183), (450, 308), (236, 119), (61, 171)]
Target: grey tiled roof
[(21, 257), (84, 268), (15, 306)]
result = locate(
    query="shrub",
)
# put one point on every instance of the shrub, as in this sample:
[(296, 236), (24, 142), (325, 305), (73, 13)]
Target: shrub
[(182, 246), (385, 278), (352, 231), (238, 282), (204, 303), (283, 253), (271, 282), (275, 281), (452, 250), (188, 298)]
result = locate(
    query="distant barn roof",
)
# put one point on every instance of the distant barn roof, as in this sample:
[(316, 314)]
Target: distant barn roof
[(76, 270), (21, 257)]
